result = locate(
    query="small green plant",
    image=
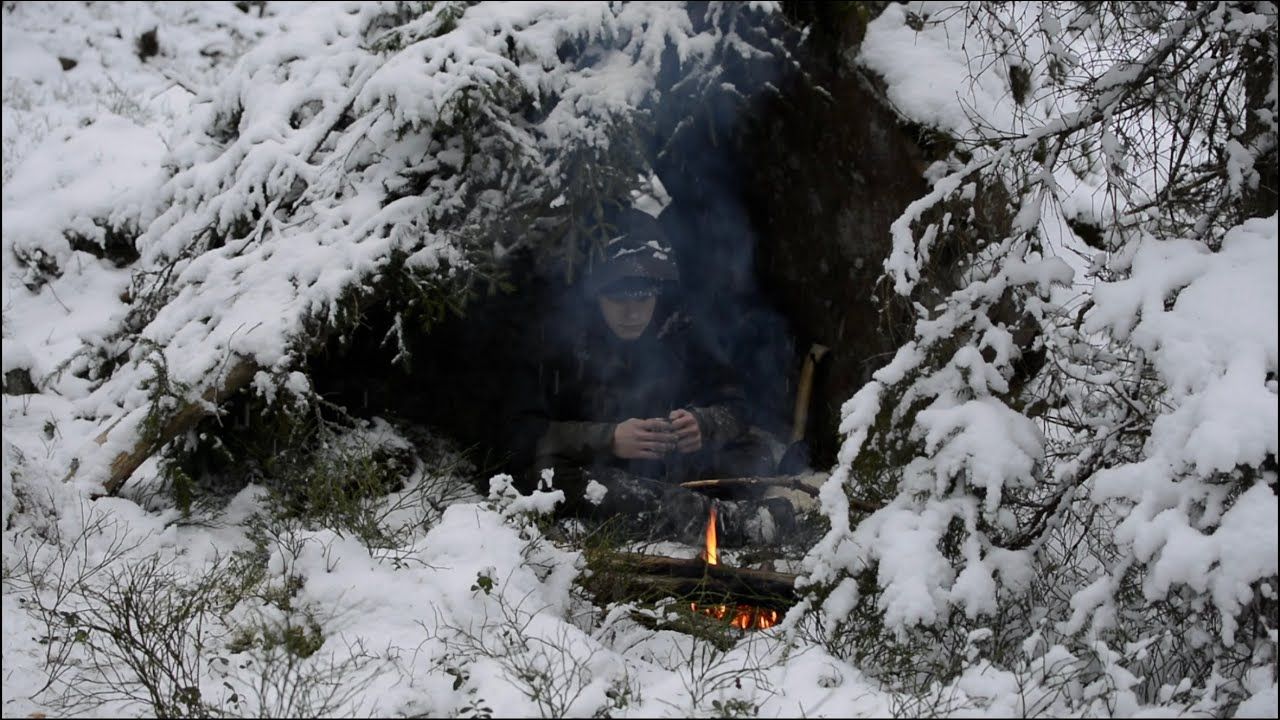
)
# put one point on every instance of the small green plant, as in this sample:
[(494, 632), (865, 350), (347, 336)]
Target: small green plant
[(623, 692), (475, 706), (734, 708), (301, 640), (483, 583)]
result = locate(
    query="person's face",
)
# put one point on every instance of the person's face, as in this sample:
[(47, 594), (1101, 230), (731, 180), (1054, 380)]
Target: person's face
[(627, 317)]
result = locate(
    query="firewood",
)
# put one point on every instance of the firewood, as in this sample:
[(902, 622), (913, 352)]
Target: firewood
[(704, 591), (631, 575)]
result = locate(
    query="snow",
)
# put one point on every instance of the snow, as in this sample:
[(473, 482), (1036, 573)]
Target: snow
[(1216, 346), (595, 492), (983, 441), (64, 182), (475, 603), (1263, 701), (929, 86)]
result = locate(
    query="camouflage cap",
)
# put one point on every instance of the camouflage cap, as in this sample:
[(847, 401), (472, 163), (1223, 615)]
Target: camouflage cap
[(638, 259)]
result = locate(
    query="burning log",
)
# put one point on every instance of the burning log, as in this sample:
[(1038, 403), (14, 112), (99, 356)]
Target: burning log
[(686, 577), (743, 598)]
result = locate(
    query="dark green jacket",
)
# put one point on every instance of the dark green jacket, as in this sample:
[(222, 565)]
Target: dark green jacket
[(577, 390)]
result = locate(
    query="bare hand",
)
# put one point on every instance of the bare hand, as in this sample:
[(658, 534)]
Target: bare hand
[(637, 439), (688, 432)]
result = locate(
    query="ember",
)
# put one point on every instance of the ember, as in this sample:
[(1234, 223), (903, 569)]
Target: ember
[(744, 617)]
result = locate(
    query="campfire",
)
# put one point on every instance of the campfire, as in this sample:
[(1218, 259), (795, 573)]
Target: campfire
[(748, 598), (744, 617)]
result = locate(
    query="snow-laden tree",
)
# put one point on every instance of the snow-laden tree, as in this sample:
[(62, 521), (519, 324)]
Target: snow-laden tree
[(397, 157), (1074, 459)]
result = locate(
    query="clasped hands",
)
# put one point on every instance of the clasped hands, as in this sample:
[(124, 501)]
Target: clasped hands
[(652, 438)]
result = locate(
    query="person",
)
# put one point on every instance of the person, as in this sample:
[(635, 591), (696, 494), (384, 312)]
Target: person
[(627, 395)]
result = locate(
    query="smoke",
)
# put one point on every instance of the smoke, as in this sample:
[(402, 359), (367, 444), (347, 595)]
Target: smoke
[(703, 165), (695, 167), (471, 372)]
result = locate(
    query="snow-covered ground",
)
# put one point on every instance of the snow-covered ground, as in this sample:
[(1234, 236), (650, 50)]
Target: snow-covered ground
[(474, 613)]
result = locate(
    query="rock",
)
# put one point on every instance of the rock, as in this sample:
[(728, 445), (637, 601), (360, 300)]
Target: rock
[(18, 382), (148, 44)]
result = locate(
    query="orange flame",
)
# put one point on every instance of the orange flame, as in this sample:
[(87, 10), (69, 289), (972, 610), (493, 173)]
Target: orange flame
[(745, 617), (712, 555)]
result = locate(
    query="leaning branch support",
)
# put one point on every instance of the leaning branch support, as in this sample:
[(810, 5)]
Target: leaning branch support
[(186, 417)]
